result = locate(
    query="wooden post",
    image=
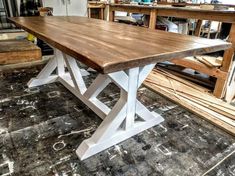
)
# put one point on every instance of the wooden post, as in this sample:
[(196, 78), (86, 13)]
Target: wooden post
[(198, 28), (102, 13), (111, 14), (221, 84), (232, 35), (89, 12), (230, 92), (153, 19)]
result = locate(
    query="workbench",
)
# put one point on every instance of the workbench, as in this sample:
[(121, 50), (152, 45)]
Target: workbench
[(223, 73), (96, 5), (195, 4), (117, 54)]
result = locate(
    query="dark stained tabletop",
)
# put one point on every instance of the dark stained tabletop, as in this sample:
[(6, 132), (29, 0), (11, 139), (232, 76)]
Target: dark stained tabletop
[(108, 47)]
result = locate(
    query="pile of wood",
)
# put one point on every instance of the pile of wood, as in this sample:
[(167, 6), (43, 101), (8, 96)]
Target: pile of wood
[(210, 61), (195, 98), (18, 51), (204, 64)]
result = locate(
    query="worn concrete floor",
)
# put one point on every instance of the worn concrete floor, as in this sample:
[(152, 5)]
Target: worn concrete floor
[(41, 128)]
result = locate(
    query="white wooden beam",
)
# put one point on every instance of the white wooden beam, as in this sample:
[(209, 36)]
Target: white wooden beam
[(120, 122), (75, 73), (133, 79)]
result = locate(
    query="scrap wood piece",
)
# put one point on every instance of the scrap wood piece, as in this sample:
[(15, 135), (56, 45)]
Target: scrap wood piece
[(189, 75), (205, 109), (189, 91), (219, 110), (183, 85), (178, 79), (190, 62), (195, 108), (193, 90), (18, 51), (216, 61), (225, 111), (210, 61), (229, 109), (200, 59)]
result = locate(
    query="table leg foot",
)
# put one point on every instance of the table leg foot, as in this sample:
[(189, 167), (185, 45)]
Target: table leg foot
[(126, 119), (89, 148), (38, 82)]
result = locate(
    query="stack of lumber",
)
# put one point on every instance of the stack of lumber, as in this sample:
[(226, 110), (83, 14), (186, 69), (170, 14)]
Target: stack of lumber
[(13, 35), (195, 98), (18, 51), (210, 61), (205, 64)]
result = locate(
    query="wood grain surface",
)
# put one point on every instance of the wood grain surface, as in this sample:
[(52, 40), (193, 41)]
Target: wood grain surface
[(18, 51), (227, 16), (165, 7), (109, 47)]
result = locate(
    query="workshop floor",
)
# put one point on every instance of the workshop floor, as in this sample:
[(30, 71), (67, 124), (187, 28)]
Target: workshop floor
[(40, 129)]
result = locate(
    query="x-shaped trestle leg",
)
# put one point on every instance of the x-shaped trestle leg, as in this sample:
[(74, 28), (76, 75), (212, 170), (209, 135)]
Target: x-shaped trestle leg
[(127, 118)]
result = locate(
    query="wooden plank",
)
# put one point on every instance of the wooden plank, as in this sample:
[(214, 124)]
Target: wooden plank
[(220, 86), (190, 88), (194, 4), (89, 13), (111, 14), (180, 12), (232, 35), (223, 16), (130, 9), (210, 60), (230, 93), (198, 28), (113, 50), (11, 67), (170, 91), (153, 19), (189, 62), (13, 35), (227, 60), (195, 109), (215, 107), (178, 79), (102, 13), (230, 89), (193, 77), (18, 51)]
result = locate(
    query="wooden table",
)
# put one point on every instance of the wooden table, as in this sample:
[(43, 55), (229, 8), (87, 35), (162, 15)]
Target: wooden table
[(195, 4), (227, 16), (121, 54), (223, 74), (96, 5)]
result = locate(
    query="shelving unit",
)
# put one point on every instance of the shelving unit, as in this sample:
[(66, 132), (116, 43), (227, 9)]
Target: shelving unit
[(3, 17)]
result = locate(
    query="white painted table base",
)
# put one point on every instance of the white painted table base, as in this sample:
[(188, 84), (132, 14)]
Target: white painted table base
[(126, 119)]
